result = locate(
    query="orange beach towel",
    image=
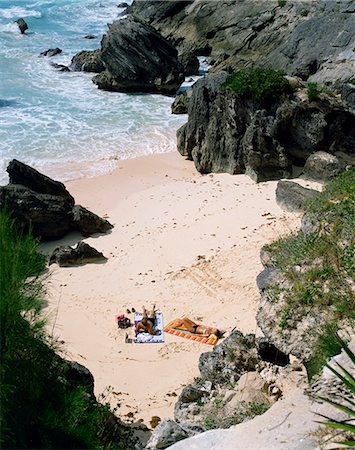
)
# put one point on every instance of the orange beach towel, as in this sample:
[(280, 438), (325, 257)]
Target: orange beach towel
[(211, 340)]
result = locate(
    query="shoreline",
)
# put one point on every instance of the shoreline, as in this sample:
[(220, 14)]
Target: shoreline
[(188, 243)]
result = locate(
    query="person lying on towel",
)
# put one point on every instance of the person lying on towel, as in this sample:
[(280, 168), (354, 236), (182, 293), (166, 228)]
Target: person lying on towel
[(195, 328), (147, 323)]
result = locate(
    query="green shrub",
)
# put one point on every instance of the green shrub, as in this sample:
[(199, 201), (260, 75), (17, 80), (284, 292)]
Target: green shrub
[(281, 3), (344, 404), (38, 408), (259, 84), (313, 91)]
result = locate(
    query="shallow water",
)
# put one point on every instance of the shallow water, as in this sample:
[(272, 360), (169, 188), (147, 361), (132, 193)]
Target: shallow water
[(60, 123)]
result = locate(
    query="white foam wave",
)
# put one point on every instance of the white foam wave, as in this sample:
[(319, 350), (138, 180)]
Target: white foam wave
[(15, 12), (10, 28)]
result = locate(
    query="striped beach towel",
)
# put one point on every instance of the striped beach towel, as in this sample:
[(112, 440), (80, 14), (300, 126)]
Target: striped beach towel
[(210, 340)]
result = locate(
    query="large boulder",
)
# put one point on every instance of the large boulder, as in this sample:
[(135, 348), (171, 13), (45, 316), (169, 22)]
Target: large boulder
[(189, 63), (44, 206), (66, 256), (89, 223), (22, 25), (165, 434), (20, 173), (292, 196), (87, 61), (323, 166), (48, 216), (138, 59)]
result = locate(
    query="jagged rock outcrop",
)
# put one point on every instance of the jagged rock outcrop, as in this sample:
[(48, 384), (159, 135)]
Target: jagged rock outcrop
[(22, 25), (180, 104), (228, 133), (216, 399), (292, 196), (20, 173), (165, 434), (87, 61), (43, 205), (66, 256), (138, 59), (235, 34), (189, 63), (49, 216)]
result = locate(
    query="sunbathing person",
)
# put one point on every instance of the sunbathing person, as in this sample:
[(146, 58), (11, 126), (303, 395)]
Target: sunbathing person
[(195, 328), (147, 323)]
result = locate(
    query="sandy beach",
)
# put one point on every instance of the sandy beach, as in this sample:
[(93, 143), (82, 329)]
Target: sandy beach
[(185, 242)]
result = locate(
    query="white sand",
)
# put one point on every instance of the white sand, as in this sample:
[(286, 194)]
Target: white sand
[(186, 242)]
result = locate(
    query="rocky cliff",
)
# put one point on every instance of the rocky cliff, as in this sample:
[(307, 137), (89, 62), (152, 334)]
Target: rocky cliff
[(230, 132), (312, 40)]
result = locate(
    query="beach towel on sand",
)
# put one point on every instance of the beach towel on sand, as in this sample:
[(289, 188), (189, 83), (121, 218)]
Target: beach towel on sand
[(143, 338), (210, 340)]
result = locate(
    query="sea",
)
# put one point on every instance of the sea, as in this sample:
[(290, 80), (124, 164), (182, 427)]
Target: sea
[(58, 122)]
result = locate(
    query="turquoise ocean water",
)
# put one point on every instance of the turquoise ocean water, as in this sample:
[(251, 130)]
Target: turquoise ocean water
[(60, 123)]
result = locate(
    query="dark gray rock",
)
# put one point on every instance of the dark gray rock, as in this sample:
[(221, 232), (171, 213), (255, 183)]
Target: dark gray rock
[(181, 102), (89, 223), (191, 394), (22, 25), (60, 67), (66, 256), (79, 375), (189, 63), (87, 61), (230, 359), (292, 196), (20, 173), (123, 5), (51, 52), (323, 166), (226, 132), (241, 34), (48, 216), (90, 36), (138, 59), (348, 95), (43, 205), (165, 434)]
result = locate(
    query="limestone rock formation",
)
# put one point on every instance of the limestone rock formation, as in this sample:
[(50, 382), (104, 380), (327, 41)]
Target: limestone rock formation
[(217, 398), (228, 133), (43, 205), (295, 37), (189, 63), (66, 256), (138, 59)]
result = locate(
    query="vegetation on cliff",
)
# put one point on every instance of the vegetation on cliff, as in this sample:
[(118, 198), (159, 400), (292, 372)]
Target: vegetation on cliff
[(259, 84), (41, 406), (318, 264)]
